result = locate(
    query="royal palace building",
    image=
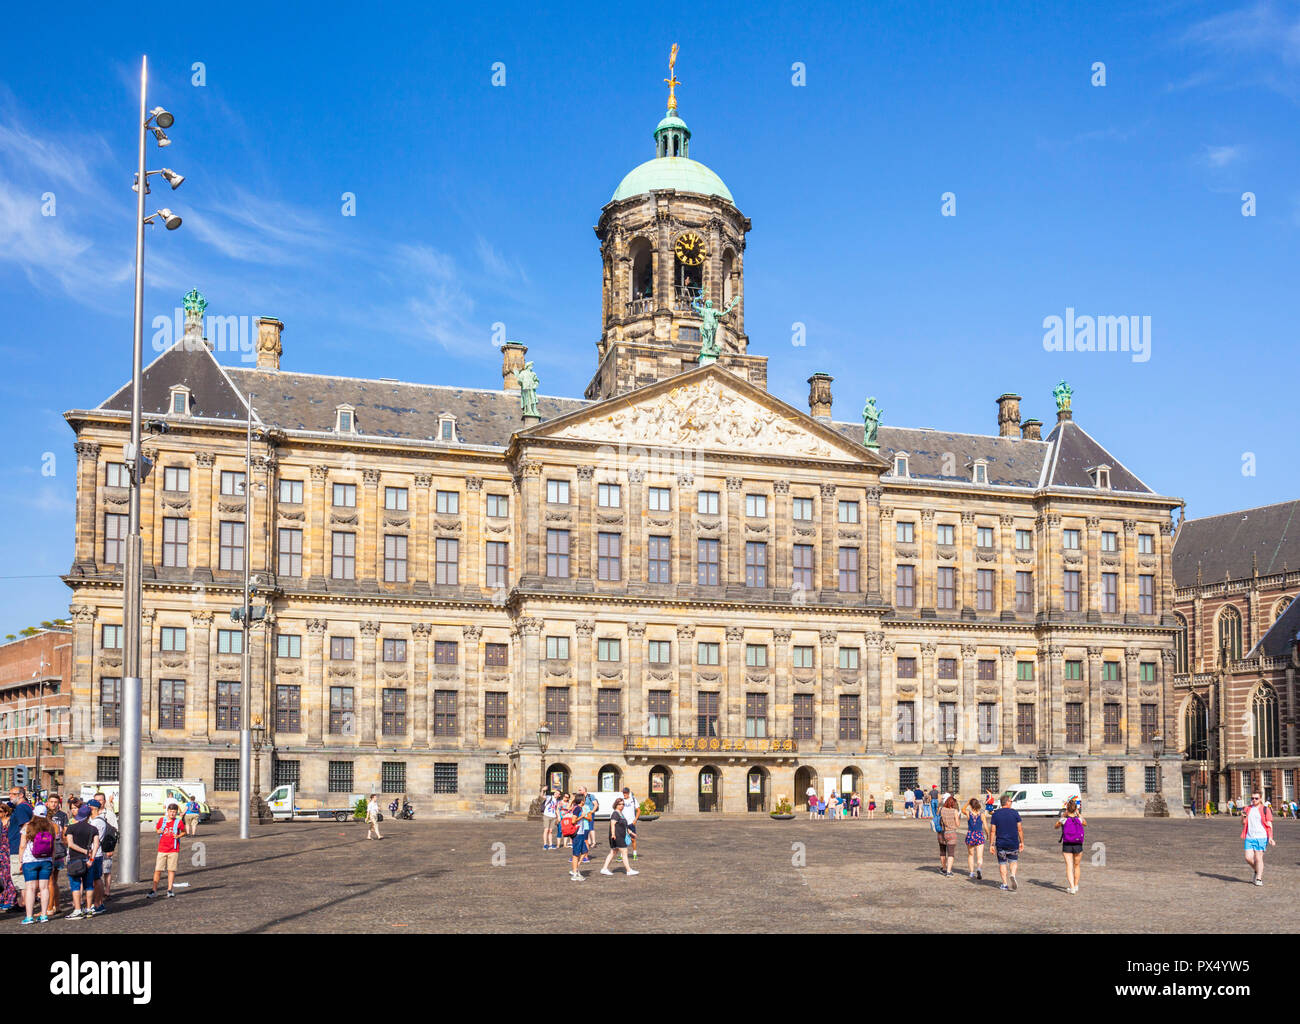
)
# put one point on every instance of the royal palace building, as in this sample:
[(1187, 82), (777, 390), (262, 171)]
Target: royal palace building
[(698, 590)]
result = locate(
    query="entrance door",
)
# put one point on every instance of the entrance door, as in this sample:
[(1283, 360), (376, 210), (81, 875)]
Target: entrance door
[(659, 787), (756, 785), (557, 776), (710, 783), (804, 779)]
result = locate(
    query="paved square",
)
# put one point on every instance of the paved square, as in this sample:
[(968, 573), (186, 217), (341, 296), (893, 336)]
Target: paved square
[(717, 874)]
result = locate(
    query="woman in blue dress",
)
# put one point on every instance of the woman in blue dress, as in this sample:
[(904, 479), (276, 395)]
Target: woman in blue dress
[(975, 840)]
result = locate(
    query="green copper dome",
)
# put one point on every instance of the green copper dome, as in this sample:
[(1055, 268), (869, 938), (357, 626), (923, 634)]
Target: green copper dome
[(679, 172)]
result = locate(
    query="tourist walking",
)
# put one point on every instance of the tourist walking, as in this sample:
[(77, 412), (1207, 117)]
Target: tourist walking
[(919, 796), (1007, 834), (990, 802), (631, 815), (372, 817), (550, 806), (1257, 833), (83, 848), (9, 891), (812, 805), (1072, 823), (37, 856), (889, 803), (576, 823), (947, 829), (588, 823), (871, 806), (618, 838), (170, 829), (975, 838), (108, 844), (192, 812)]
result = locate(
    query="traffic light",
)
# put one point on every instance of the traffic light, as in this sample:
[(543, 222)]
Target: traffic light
[(258, 613), (21, 776)]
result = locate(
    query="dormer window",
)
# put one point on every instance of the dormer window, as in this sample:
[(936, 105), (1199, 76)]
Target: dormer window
[(180, 401), (1100, 477), (900, 464), (345, 420), (447, 428), (979, 471)]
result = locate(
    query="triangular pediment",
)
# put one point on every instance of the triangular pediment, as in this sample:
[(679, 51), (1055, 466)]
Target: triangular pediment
[(707, 409)]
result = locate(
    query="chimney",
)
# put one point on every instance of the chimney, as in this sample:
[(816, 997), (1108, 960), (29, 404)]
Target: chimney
[(268, 343), (512, 359), (819, 396), (1008, 415), (1031, 430)]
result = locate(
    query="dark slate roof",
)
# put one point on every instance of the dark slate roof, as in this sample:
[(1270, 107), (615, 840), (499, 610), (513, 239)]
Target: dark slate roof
[(212, 394), (1281, 636), (1075, 452), (1010, 460), (1235, 544)]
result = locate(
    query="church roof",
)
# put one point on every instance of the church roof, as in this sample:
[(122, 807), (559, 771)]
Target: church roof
[(1236, 544), (676, 172), (1281, 636)]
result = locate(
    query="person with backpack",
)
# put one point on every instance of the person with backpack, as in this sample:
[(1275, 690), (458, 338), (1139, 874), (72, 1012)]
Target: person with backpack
[(631, 813), (572, 827), (83, 848), (192, 812), (37, 858), (169, 829), (619, 838), (109, 844), (1257, 834), (549, 809), (947, 839), (1072, 823)]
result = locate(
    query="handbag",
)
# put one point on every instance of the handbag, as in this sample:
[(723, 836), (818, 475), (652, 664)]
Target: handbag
[(76, 867)]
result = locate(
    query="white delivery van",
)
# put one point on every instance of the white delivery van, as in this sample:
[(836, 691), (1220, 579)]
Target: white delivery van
[(154, 796), (1041, 798)]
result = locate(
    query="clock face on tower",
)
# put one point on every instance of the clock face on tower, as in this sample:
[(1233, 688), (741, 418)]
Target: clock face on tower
[(690, 249)]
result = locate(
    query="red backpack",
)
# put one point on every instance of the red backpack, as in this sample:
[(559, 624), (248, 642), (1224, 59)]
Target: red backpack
[(568, 825)]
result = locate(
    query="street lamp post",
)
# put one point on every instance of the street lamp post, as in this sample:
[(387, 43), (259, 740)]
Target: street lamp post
[(155, 122), (950, 743), (543, 741)]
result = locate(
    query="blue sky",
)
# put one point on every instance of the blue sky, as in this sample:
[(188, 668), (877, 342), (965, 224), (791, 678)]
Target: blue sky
[(475, 204)]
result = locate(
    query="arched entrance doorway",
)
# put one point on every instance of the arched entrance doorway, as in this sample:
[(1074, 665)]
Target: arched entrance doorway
[(758, 788), (709, 788), (557, 777), (804, 779), (851, 782), (609, 778), (660, 786)]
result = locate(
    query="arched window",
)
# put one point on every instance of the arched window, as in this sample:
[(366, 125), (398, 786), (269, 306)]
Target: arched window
[(1280, 607), (1180, 645), (1196, 727), (643, 278), (1229, 635), (1263, 712)]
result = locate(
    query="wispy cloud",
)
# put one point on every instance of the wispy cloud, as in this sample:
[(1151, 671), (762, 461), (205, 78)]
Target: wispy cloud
[(1219, 157), (1256, 45)]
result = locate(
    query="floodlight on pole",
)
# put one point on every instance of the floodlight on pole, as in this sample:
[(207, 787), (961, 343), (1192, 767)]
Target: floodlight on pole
[(163, 118), (172, 178)]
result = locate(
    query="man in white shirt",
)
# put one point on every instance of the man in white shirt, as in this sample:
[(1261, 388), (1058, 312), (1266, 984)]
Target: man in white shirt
[(549, 810), (631, 812), (372, 817)]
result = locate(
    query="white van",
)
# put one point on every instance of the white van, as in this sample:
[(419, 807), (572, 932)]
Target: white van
[(1041, 798), (605, 803), (154, 796)]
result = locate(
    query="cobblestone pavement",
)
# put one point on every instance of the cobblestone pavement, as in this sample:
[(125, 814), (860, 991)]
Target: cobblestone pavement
[(715, 875)]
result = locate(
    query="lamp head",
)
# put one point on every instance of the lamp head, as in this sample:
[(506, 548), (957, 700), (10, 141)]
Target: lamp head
[(169, 219), (161, 136), (162, 118), (172, 178)]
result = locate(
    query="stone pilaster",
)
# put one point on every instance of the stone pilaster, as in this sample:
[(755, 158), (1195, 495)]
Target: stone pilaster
[(202, 521), (316, 540), (421, 704), (1091, 596), (968, 713), (529, 508), (873, 688), (731, 722), (927, 581), (583, 655), (1007, 666), (201, 699), (1128, 581), (370, 554), (732, 555), (686, 576), (86, 552), (1165, 606), (782, 705), (314, 695), (148, 683), (1131, 726), (1006, 568), (781, 527), (583, 536), (684, 712), (634, 720), (929, 708), (828, 566), (874, 584), (421, 574), (1096, 732), (634, 533), (1053, 700), (471, 698), (826, 666), (86, 725), (473, 546), (368, 697), (967, 545)]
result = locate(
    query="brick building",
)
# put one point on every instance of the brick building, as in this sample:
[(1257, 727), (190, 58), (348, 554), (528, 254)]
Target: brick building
[(1237, 655), (700, 590), (35, 701)]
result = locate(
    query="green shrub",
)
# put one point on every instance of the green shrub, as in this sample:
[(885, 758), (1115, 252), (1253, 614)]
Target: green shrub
[(783, 806), (359, 812), (647, 806)]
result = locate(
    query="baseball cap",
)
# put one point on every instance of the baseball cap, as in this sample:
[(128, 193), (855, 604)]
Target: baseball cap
[(83, 812), (39, 811), (93, 803)]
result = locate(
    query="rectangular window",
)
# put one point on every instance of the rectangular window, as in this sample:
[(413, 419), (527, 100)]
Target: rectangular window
[(801, 510), (707, 653), (1110, 592), (1115, 779), (291, 492), (849, 659), (171, 638), (288, 708), (1147, 672), (344, 556), (1025, 671), (849, 578), (342, 717), (947, 720), (342, 648), (496, 655), (945, 588), (392, 776), (1024, 540), (609, 561), (1028, 774), (171, 704), (660, 499), (557, 648), (395, 499), (115, 538), (1072, 589), (169, 768), (803, 657), (111, 638), (989, 780), (557, 492), (444, 713), (848, 512), (802, 568), (345, 495), (949, 778), (289, 645), (290, 554), (498, 506), (496, 780), (609, 650), (986, 669), (110, 702), (1025, 724), (1110, 671), (557, 710), (176, 543), (906, 668), (1073, 722), (232, 483), (230, 641), (394, 558), (231, 555), (225, 775), (947, 668), (497, 575), (661, 652), (1149, 723), (115, 475), (803, 722), (755, 715), (1110, 723), (706, 714), (659, 560), (394, 710), (755, 564), (904, 532), (707, 563), (905, 586), (943, 533), (987, 721), (445, 652), (756, 655), (447, 562), (1070, 540), (557, 554), (609, 496), (756, 506), (494, 714), (1146, 543), (983, 536), (706, 503), (395, 650), (1074, 670), (1024, 591), (909, 778), (905, 721), (1109, 540), (659, 712), (229, 705), (447, 503), (984, 582), (609, 712), (1146, 595), (1079, 777), (446, 778), (850, 717)]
